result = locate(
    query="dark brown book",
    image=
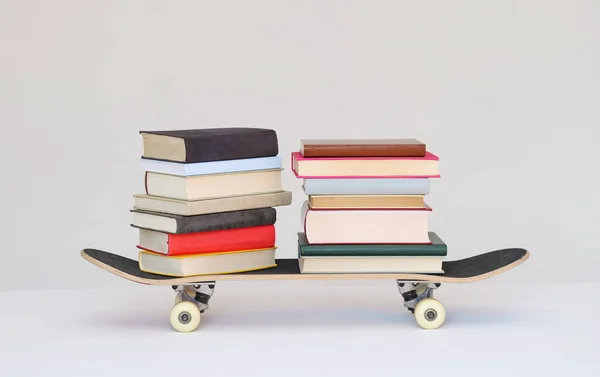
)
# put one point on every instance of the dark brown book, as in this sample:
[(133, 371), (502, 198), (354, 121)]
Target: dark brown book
[(209, 144), (362, 148)]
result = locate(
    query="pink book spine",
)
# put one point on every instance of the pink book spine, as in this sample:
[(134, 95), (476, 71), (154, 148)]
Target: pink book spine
[(298, 156), (305, 219), (428, 156)]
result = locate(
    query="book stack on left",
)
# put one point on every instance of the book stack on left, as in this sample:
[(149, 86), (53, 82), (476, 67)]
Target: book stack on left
[(209, 201)]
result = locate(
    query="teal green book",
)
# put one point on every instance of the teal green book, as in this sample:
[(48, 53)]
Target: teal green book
[(436, 248)]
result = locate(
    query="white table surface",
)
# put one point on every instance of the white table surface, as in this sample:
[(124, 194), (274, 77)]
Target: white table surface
[(312, 328)]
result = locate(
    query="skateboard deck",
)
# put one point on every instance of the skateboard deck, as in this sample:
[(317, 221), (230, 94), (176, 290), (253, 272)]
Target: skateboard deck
[(194, 293), (469, 269)]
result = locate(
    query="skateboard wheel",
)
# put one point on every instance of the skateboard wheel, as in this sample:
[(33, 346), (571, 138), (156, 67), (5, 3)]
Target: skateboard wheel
[(430, 313), (185, 316)]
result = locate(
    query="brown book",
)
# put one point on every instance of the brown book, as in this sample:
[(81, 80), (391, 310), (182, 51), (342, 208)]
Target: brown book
[(362, 148)]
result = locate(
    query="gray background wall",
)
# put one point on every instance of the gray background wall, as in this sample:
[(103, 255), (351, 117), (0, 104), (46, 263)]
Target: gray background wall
[(506, 93)]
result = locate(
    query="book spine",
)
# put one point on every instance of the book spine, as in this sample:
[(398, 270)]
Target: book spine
[(231, 147), (276, 199), (259, 237), (409, 250), (363, 227), (232, 166), (416, 150), (374, 186), (146, 182), (226, 220)]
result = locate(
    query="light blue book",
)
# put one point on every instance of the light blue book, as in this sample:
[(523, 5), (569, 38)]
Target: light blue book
[(366, 186), (212, 167)]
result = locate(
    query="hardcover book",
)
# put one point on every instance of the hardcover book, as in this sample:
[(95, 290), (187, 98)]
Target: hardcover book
[(367, 167), (371, 265), (366, 186), (214, 205), (362, 226), (210, 186), (212, 241), (177, 224), (209, 144), (436, 248), (366, 201), (207, 264), (212, 167), (362, 148)]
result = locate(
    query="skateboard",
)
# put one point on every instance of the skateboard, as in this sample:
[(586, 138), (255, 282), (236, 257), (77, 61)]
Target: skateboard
[(194, 293)]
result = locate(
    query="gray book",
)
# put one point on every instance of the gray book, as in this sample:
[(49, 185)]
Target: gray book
[(177, 224)]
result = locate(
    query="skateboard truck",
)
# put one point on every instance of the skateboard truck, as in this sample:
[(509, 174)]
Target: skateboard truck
[(418, 299), (199, 293)]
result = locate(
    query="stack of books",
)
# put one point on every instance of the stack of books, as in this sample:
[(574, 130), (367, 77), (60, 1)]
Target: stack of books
[(209, 201), (366, 209)]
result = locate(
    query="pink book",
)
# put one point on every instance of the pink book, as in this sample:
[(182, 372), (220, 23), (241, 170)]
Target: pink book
[(365, 167), (365, 226)]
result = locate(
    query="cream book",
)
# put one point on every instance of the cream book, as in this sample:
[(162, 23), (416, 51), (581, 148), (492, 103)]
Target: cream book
[(216, 205), (207, 264), (363, 226), (366, 201), (360, 264), (209, 186)]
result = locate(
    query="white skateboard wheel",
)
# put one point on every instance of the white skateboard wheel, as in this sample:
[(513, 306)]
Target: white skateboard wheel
[(430, 313), (185, 316)]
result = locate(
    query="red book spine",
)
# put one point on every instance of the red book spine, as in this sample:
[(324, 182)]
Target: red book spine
[(248, 238)]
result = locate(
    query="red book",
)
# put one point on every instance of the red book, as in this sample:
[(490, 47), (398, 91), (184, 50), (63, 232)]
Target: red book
[(214, 241)]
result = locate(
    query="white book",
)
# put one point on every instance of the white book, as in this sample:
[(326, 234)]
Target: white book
[(212, 167), (212, 186), (363, 226), (207, 264), (214, 205), (366, 186), (368, 265)]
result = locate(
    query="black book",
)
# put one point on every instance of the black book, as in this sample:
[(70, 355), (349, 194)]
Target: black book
[(177, 224), (209, 144)]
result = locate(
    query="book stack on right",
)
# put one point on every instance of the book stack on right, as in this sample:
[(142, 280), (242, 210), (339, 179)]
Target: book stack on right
[(366, 209)]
